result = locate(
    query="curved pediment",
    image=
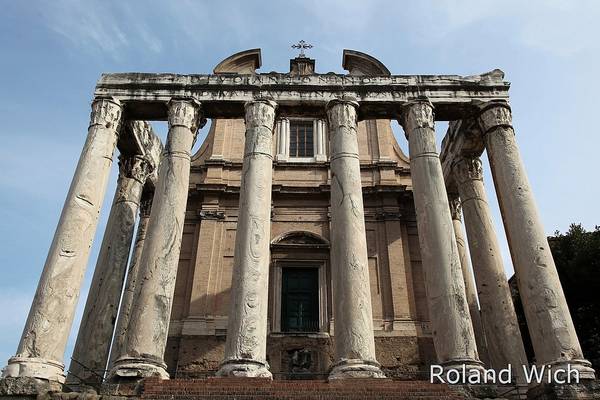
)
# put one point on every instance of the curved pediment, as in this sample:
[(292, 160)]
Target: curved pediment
[(300, 238), (359, 63), (244, 62)]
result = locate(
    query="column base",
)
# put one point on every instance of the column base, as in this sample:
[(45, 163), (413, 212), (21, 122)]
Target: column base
[(244, 368), (32, 367), (560, 370), (355, 368), (465, 367), (132, 368)]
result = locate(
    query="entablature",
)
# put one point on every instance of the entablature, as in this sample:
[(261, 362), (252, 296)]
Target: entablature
[(145, 95)]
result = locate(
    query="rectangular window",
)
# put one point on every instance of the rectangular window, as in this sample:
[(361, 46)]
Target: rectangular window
[(301, 138)]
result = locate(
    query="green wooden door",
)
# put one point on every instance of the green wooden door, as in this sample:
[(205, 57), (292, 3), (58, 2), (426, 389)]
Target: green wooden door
[(300, 300)]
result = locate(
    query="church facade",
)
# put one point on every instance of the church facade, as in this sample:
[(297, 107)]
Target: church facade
[(300, 310)]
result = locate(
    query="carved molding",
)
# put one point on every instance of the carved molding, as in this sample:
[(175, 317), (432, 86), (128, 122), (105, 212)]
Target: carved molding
[(468, 168), (135, 167), (455, 207), (260, 112), (186, 113), (214, 215), (415, 115), (146, 204), (107, 112), (495, 115)]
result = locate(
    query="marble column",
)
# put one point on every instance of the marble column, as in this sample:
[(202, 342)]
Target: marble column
[(505, 345), (132, 280), (354, 342), (151, 310), (92, 347), (467, 271), (553, 335), (42, 346), (452, 330), (246, 346)]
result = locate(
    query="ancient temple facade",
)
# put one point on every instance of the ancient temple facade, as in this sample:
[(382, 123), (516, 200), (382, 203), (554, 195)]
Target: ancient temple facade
[(299, 241)]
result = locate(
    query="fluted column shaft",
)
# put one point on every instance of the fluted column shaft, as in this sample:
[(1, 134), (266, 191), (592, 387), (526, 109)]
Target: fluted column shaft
[(549, 321), (354, 342), (42, 346), (246, 346), (467, 271), (453, 335), (92, 347), (151, 310), (132, 280)]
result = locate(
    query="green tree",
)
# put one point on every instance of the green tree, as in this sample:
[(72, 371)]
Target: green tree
[(577, 257)]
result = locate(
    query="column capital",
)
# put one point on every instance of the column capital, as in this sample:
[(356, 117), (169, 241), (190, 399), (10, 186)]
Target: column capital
[(494, 114), (467, 169), (135, 167), (146, 204), (107, 112), (455, 206), (416, 114), (266, 101), (260, 113), (342, 100), (185, 112)]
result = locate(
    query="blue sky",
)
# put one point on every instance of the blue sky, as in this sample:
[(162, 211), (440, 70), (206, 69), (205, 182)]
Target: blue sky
[(52, 53)]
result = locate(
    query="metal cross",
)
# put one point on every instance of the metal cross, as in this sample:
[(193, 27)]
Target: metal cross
[(302, 45)]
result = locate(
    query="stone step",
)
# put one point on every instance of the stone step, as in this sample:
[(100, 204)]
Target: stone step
[(247, 389)]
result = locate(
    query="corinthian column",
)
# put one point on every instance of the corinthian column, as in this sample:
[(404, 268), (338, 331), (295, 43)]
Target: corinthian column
[(467, 271), (453, 335), (41, 350), (552, 332), (505, 345), (354, 342), (151, 311), (95, 332), (132, 280), (246, 346)]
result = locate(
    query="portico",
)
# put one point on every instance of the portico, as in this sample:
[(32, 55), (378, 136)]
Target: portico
[(481, 119)]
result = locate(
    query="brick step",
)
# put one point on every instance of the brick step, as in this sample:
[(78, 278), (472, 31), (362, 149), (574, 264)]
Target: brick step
[(247, 389)]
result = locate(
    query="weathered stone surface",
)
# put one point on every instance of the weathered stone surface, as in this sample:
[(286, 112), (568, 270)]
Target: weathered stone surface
[(92, 347), (467, 271), (133, 280), (149, 320), (505, 345), (354, 343), (46, 331), (298, 95), (448, 309), (245, 350), (550, 325)]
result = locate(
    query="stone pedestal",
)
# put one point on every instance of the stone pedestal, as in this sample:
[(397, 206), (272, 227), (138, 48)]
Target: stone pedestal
[(552, 332), (245, 350), (453, 335), (132, 280), (354, 341), (92, 347), (505, 345), (151, 310), (41, 350), (467, 271)]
